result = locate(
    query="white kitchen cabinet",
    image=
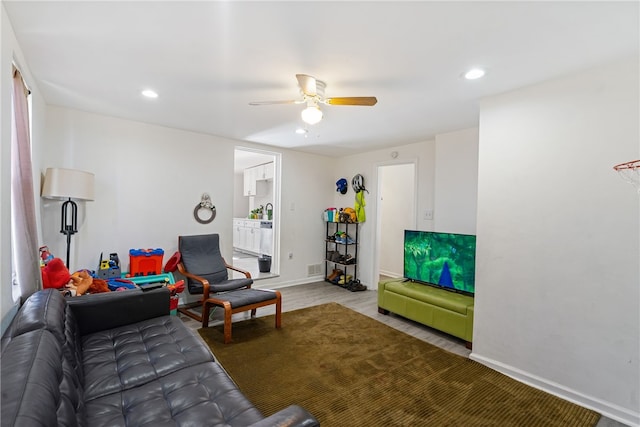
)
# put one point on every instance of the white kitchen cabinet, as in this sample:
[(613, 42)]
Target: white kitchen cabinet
[(250, 182), (253, 242), (264, 172), (246, 235), (268, 171), (259, 172), (254, 174), (237, 224)]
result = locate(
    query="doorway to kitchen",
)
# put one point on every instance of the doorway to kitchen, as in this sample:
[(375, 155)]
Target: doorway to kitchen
[(256, 210)]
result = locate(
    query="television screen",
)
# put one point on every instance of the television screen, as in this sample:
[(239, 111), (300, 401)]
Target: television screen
[(441, 259)]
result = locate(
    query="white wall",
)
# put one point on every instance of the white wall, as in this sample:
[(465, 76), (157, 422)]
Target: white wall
[(456, 182), (558, 267), (150, 178), (423, 154), (446, 183), (397, 213)]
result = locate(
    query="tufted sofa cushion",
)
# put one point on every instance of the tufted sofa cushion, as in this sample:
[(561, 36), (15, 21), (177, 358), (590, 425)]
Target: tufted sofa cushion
[(126, 357), (37, 389), (196, 396), (46, 315), (117, 360)]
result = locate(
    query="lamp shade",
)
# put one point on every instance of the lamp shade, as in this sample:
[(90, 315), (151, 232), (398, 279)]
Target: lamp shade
[(67, 184)]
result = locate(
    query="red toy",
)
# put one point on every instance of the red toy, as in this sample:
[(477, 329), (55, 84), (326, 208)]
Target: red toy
[(55, 274)]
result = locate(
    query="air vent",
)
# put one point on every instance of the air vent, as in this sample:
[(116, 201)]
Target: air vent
[(314, 269)]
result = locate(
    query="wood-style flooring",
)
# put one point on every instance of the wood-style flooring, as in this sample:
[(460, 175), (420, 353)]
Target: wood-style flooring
[(365, 302)]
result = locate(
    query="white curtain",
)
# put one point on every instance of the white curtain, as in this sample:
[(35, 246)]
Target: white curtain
[(26, 265)]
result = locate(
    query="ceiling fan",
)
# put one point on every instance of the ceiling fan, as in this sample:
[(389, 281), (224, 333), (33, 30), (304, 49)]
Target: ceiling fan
[(312, 91)]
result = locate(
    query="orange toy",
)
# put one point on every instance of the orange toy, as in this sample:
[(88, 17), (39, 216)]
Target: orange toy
[(81, 281)]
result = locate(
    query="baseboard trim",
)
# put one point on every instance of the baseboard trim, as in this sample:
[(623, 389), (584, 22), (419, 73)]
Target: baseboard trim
[(605, 408), (391, 274), (306, 280)]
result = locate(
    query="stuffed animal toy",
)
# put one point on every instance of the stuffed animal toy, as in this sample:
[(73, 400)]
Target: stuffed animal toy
[(98, 286), (80, 282), (83, 283), (55, 274)]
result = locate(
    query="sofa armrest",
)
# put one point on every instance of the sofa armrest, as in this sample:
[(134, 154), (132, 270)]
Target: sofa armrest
[(291, 416), (99, 312)]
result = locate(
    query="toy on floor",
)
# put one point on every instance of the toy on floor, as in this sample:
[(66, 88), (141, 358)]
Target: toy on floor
[(83, 283), (55, 274)]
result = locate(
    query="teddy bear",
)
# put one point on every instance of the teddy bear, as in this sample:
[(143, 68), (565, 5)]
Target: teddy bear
[(82, 282)]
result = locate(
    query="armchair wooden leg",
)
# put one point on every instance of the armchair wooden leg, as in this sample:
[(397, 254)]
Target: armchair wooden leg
[(278, 310), (186, 310), (227, 322), (205, 314)]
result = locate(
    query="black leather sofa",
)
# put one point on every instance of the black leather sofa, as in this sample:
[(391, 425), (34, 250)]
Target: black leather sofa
[(118, 359)]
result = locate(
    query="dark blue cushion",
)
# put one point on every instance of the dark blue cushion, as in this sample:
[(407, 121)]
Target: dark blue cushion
[(244, 297), (201, 256)]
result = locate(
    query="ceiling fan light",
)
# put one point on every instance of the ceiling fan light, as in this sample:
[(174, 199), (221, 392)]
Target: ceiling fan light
[(311, 115)]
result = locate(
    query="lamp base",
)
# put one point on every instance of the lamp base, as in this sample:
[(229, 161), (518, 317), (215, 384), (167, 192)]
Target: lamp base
[(69, 224)]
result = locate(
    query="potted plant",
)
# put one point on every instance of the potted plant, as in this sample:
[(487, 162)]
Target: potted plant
[(257, 213)]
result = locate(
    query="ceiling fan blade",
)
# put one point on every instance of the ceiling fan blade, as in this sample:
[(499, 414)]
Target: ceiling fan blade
[(275, 102), (352, 100), (307, 84)]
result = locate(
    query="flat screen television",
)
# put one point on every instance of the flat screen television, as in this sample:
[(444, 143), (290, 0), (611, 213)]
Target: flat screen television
[(444, 260)]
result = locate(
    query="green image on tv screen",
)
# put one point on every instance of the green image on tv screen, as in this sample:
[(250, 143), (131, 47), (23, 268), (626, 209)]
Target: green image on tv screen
[(442, 259)]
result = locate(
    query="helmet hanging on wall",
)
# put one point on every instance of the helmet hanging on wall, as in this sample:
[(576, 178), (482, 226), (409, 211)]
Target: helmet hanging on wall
[(342, 186), (358, 183)]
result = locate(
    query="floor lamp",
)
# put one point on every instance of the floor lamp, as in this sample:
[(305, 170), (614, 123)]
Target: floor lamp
[(68, 185)]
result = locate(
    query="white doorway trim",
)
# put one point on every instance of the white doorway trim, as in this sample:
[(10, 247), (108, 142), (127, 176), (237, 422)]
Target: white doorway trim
[(277, 180), (377, 232)]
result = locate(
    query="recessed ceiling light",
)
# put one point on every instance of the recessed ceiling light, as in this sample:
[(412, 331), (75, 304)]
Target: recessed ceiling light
[(301, 131), (149, 93), (474, 73)]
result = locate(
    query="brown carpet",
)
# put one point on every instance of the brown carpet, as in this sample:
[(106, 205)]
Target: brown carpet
[(350, 370)]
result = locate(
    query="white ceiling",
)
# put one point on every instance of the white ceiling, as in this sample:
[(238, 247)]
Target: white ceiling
[(208, 60)]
